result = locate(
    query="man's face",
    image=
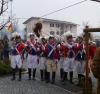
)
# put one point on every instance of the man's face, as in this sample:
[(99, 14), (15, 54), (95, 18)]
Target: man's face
[(52, 41), (69, 39), (80, 40), (18, 39), (32, 37)]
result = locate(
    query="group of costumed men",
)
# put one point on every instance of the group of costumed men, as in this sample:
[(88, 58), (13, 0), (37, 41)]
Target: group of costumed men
[(47, 55)]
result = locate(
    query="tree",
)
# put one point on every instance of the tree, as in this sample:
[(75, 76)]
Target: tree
[(3, 6)]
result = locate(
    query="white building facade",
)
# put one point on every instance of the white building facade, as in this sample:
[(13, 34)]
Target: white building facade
[(52, 27)]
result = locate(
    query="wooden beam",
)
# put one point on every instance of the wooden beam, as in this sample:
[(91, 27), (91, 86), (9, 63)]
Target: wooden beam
[(92, 30), (96, 0)]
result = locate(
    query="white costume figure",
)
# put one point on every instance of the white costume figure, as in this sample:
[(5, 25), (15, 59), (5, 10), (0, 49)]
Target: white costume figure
[(80, 59), (32, 61), (62, 54), (42, 59), (16, 54), (69, 61), (52, 58)]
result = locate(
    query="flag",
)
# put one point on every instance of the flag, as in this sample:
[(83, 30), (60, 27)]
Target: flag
[(10, 28)]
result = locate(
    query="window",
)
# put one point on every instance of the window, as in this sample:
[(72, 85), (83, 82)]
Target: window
[(51, 25), (62, 26), (52, 32), (71, 27), (66, 26), (57, 25)]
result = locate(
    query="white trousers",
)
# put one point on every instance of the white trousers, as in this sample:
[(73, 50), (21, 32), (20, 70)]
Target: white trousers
[(68, 65), (42, 63), (80, 67), (16, 61), (61, 62), (32, 61)]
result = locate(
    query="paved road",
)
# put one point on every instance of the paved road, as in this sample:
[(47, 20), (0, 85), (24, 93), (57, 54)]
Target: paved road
[(29, 87), (36, 87)]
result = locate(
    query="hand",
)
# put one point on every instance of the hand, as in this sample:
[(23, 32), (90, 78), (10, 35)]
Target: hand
[(56, 60), (38, 49)]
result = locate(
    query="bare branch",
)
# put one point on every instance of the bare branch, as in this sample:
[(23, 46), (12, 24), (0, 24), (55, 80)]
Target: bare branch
[(6, 8), (3, 3), (3, 26)]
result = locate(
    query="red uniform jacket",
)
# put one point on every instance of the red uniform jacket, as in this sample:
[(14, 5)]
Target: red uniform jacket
[(55, 52), (20, 47), (92, 50)]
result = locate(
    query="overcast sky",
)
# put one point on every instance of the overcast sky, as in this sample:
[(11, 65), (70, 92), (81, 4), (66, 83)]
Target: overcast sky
[(88, 11)]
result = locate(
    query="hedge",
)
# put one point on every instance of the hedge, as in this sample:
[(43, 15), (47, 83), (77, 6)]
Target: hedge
[(5, 69)]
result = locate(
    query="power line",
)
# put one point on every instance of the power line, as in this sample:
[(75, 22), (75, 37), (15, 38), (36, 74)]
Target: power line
[(63, 8), (20, 18), (58, 9)]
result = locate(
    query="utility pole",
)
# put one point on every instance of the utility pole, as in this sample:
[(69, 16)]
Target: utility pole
[(87, 91), (11, 11)]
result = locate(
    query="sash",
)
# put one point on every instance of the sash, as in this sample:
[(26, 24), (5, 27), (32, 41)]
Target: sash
[(42, 49), (17, 49), (81, 52), (21, 54), (53, 48), (69, 46), (32, 46)]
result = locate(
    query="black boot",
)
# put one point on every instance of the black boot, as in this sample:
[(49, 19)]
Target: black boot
[(61, 73), (71, 77), (29, 73), (47, 77), (13, 74), (20, 74), (80, 80), (65, 77), (45, 74), (34, 73), (53, 77), (42, 75)]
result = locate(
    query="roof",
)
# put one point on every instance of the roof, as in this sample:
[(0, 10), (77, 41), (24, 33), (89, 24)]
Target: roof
[(49, 20)]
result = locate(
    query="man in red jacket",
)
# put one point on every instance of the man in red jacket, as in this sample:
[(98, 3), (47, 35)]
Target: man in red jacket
[(63, 55), (69, 61), (42, 58), (52, 54), (16, 55), (32, 58), (80, 59)]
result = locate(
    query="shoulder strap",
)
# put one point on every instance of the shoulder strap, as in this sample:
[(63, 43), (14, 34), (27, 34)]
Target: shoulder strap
[(31, 44), (17, 48), (53, 48)]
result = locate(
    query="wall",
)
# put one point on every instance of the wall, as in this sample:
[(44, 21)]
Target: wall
[(46, 28)]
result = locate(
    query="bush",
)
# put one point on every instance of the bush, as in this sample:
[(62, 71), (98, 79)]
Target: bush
[(5, 69)]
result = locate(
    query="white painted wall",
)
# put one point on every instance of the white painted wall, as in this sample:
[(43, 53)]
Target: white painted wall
[(46, 28)]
